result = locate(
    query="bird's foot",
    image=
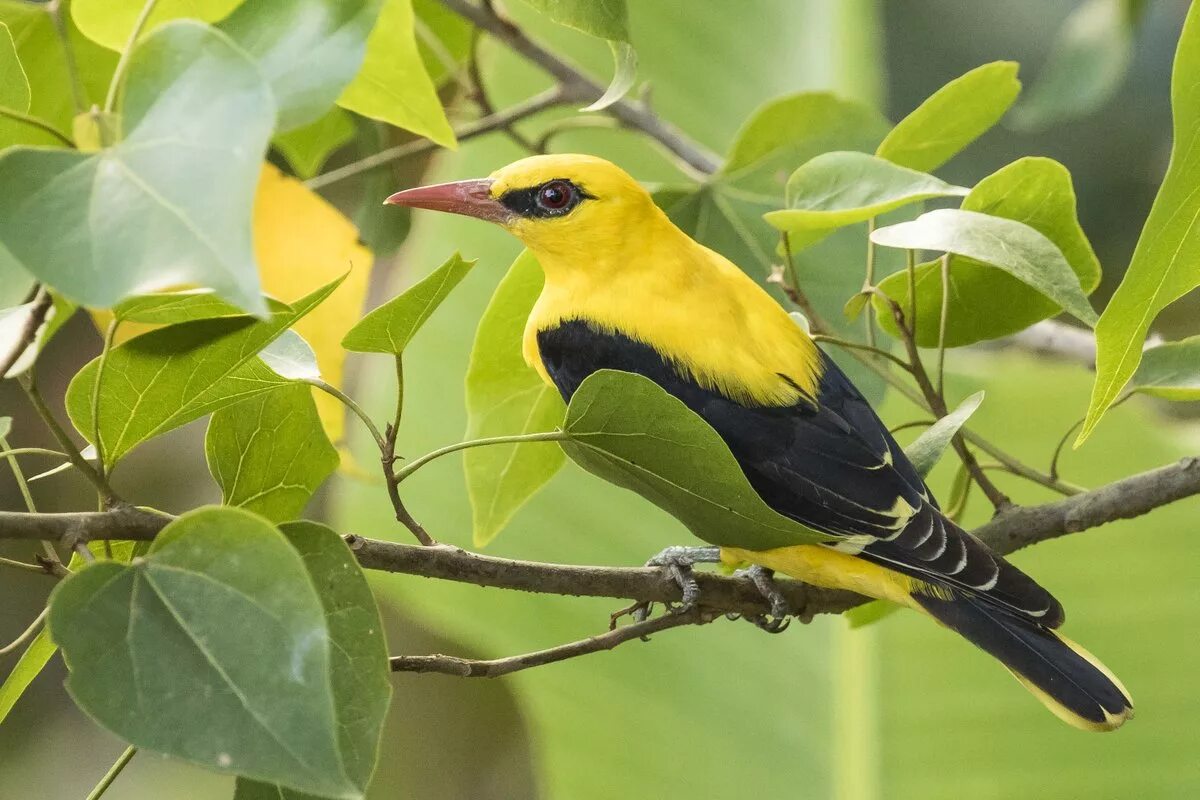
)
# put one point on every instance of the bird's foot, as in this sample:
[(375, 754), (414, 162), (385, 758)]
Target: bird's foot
[(764, 580), (677, 563)]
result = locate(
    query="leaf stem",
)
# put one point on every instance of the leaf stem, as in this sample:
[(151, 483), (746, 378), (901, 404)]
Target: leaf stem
[(869, 282), (9, 562), (110, 334), (78, 92), (910, 267), (867, 348), (945, 316), (350, 404), (55, 563), (518, 438), (29, 632), (31, 451), (113, 772), (110, 100), (34, 122)]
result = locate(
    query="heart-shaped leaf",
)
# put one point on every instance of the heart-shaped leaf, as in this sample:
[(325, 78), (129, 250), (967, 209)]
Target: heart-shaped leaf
[(389, 328), (169, 308), (167, 205), (505, 396), (1007, 244), (109, 22), (629, 431), (213, 648), (307, 148), (928, 448)]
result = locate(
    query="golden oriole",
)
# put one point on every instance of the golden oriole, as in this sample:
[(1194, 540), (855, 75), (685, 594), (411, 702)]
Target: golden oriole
[(627, 290)]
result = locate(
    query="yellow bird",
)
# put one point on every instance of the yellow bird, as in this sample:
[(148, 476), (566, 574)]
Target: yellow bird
[(627, 290)]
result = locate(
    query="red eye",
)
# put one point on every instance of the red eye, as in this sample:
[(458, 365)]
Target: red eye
[(556, 195)]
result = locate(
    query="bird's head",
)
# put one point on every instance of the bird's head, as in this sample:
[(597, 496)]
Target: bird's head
[(549, 202)]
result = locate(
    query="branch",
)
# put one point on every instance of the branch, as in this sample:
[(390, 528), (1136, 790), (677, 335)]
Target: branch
[(37, 316)]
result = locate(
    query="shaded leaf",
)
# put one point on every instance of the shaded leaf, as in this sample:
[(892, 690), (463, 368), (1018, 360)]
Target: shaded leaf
[(219, 630), (1170, 371), (170, 203), (1086, 65), (928, 448), (269, 453), (505, 396), (953, 117), (985, 302), (14, 85), (109, 22), (291, 357), (168, 308), (1166, 262), (1007, 244), (308, 50), (629, 431), (443, 39), (604, 19), (842, 188), (174, 375), (392, 85), (624, 75), (389, 328), (307, 148)]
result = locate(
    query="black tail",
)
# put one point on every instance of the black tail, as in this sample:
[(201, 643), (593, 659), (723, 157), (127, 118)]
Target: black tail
[(1069, 680)]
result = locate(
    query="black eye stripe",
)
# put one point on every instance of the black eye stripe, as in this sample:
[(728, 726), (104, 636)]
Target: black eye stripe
[(524, 202)]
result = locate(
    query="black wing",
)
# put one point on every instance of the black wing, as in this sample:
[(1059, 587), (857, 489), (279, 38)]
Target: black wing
[(827, 462)]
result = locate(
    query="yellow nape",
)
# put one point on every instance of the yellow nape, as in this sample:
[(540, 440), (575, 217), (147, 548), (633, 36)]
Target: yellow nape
[(618, 262)]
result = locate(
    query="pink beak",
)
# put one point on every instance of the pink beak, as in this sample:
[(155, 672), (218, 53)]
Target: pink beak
[(470, 198)]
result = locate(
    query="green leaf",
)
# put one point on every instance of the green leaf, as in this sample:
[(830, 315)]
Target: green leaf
[(5, 426), (393, 86), (14, 85), (953, 117), (604, 19), (168, 377), (842, 188), (1007, 244), (270, 453), (307, 148), (624, 75), (308, 50), (169, 204), (109, 22), (40, 52), (443, 39), (1086, 65), (42, 648), (928, 448), (1170, 371), (168, 308), (1166, 261), (629, 431), (505, 396), (985, 302), (13, 322), (389, 328), (870, 613), (291, 357), (213, 648)]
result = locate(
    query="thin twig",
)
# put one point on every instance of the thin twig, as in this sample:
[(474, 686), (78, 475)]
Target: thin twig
[(31, 451), (42, 304), (494, 668), (866, 348), (34, 122), (942, 320), (349, 402), (869, 282), (27, 634), (52, 563), (139, 24), (110, 334), (8, 562), (113, 772), (517, 438)]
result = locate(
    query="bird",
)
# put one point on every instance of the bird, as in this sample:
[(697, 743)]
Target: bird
[(625, 289)]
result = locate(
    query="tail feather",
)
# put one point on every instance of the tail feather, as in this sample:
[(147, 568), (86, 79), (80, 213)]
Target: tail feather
[(1067, 679)]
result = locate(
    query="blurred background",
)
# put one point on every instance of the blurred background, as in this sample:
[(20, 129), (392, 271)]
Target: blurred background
[(899, 709)]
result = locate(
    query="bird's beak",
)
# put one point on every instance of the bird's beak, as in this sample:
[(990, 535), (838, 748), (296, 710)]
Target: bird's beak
[(469, 198)]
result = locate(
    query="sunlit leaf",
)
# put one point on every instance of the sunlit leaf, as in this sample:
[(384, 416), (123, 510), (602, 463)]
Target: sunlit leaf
[(953, 117), (167, 205), (308, 50), (628, 430), (109, 22), (168, 308), (1170, 371), (291, 357), (393, 85), (845, 187), (604, 19), (218, 629), (505, 396), (306, 148), (1166, 262), (985, 302), (928, 448), (176, 374), (1006, 244), (443, 39), (1086, 66), (14, 86), (389, 328)]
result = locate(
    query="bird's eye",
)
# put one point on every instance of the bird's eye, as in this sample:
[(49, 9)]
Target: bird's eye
[(555, 195)]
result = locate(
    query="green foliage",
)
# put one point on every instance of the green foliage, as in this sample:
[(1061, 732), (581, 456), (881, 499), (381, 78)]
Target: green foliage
[(186, 191), (389, 328), (306, 148), (1166, 263), (842, 188), (929, 447), (392, 85), (604, 19), (291, 357), (953, 117), (13, 322), (169, 308), (308, 50), (14, 86), (1089, 61), (174, 375), (270, 453), (199, 632), (1033, 191), (1170, 371), (505, 396), (629, 431), (1006, 244), (109, 22)]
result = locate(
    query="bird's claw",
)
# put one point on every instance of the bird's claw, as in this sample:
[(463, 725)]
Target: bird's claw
[(677, 563), (780, 617)]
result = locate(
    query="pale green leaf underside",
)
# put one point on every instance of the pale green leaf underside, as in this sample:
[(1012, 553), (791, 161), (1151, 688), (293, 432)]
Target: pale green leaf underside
[(1170, 371), (928, 448)]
